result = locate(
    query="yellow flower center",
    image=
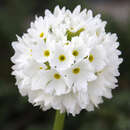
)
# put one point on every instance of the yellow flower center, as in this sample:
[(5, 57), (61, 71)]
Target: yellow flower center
[(62, 58), (57, 76), (42, 34), (46, 53), (41, 68), (91, 58), (75, 53), (76, 70)]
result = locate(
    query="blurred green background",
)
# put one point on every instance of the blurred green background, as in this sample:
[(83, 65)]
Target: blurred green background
[(15, 111)]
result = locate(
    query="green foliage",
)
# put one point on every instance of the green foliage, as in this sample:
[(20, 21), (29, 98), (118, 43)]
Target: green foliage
[(73, 34)]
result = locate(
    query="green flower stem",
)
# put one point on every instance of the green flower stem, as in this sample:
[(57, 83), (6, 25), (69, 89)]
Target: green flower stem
[(59, 121)]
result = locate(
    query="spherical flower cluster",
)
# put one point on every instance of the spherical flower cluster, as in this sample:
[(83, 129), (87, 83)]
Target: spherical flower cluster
[(66, 61)]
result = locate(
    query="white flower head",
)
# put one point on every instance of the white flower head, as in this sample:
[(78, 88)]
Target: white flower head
[(66, 61)]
